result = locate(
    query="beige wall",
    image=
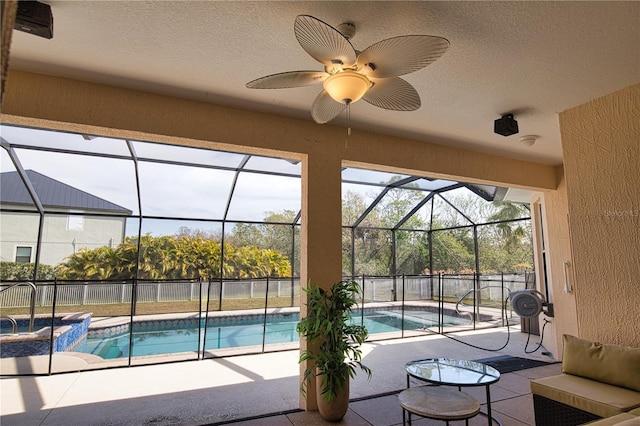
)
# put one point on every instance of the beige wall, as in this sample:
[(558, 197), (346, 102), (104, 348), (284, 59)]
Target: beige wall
[(601, 149), (553, 226)]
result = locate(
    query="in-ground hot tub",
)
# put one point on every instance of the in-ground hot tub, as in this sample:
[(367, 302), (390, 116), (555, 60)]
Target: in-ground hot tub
[(68, 331)]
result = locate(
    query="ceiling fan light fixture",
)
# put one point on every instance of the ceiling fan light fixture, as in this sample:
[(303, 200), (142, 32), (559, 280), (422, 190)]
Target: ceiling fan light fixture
[(347, 86), (349, 75)]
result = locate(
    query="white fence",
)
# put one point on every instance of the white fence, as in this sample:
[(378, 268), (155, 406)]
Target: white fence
[(386, 289), (376, 289), (164, 291)]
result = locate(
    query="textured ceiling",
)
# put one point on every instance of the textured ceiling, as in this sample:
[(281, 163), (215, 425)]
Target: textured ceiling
[(533, 59)]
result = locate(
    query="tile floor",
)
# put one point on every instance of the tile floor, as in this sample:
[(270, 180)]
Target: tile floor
[(246, 390), (512, 405)]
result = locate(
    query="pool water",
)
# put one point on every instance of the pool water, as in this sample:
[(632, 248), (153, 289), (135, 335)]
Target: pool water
[(20, 329), (23, 325), (246, 333)]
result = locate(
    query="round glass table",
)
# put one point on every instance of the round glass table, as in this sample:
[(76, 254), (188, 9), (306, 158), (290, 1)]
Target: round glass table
[(454, 372)]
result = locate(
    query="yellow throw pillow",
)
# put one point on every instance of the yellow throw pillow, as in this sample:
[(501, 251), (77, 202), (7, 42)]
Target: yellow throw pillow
[(606, 363)]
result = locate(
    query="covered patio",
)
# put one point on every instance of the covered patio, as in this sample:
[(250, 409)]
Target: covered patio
[(568, 70), (263, 389)]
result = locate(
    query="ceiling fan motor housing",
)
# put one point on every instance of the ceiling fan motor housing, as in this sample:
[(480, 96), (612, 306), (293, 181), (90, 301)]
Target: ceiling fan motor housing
[(347, 29)]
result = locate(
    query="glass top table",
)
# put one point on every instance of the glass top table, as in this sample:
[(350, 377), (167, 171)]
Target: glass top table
[(454, 372)]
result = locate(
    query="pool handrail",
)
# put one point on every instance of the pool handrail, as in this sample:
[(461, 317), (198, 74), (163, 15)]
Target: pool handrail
[(473, 290), (32, 308), (14, 324)]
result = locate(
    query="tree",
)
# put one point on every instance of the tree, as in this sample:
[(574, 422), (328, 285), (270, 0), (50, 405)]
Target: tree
[(453, 251), (275, 235), (373, 236), (412, 252), (173, 257), (512, 233), (97, 264), (506, 246), (252, 262)]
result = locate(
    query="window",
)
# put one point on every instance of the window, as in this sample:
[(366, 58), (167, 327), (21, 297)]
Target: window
[(75, 223), (23, 254)]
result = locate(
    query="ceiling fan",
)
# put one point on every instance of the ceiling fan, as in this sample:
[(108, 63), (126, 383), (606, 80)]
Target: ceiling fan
[(349, 75)]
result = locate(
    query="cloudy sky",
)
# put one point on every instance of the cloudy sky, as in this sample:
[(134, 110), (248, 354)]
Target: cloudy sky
[(167, 190)]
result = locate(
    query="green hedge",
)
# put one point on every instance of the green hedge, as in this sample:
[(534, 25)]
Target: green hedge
[(10, 271)]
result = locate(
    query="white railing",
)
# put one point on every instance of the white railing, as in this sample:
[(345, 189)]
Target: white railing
[(376, 289), (164, 291), (386, 289)]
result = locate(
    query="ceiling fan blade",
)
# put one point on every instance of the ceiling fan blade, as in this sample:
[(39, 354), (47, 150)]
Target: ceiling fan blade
[(285, 80), (324, 43), (401, 55), (325, 109), (394, 94)]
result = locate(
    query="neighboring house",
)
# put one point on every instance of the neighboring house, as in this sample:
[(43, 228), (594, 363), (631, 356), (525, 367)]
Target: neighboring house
[(73, 219)]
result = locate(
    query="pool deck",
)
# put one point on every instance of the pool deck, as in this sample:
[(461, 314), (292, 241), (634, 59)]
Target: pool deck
[(256, 390)]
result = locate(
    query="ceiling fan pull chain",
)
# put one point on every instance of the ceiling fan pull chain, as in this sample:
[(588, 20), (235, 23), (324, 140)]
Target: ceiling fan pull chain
[(348, 125)]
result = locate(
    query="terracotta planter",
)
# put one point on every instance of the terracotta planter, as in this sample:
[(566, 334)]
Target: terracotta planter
[(335, 410)]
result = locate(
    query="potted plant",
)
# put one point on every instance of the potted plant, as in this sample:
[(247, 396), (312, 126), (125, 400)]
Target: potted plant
[(328, 327)]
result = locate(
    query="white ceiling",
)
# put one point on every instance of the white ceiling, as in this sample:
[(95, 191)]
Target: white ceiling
[(533, 59)]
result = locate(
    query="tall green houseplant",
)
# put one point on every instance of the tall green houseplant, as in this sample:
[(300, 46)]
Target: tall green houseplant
[(329, 324)]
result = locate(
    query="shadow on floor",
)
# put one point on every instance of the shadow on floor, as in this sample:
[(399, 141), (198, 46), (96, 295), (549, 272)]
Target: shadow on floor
[(512, 405)]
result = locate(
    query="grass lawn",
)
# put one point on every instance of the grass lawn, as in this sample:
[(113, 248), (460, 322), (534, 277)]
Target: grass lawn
[(124, 309)]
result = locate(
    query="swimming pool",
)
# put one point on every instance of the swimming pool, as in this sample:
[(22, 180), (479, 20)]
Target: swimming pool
[(160, 339)]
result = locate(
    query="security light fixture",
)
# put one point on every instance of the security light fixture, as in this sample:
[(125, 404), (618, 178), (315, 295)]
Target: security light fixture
[(505, 125)]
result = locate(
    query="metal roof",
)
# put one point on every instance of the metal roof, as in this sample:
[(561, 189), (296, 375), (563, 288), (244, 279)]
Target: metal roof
[(52, 193)]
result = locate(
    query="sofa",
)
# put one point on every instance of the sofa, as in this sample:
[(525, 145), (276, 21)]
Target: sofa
[(599, 383)]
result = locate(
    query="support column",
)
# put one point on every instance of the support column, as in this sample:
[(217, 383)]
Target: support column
[(321, 237)]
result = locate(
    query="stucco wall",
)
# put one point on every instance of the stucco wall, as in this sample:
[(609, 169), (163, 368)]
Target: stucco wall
[(58, 241), (553, 226), (601, 149), (18, 229)]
